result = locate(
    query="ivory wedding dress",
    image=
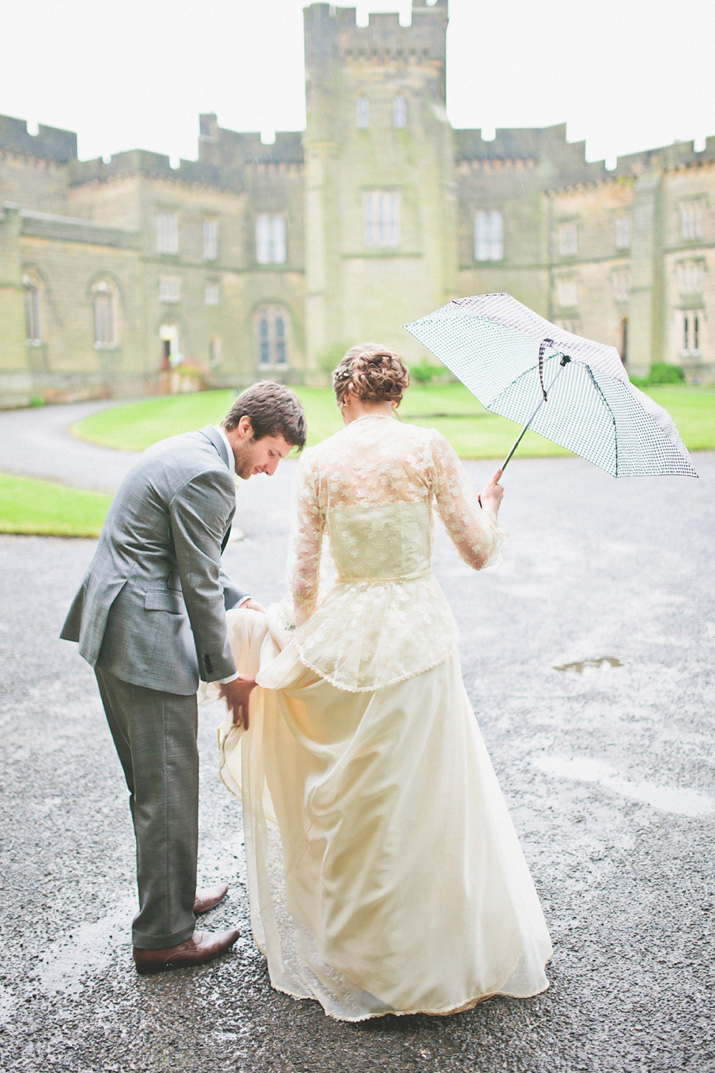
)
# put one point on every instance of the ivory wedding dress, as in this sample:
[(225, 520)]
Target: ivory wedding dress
[(384, 872)]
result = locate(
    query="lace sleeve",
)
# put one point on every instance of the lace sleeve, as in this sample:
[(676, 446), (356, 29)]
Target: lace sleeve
[(474, 531), (306, 542)]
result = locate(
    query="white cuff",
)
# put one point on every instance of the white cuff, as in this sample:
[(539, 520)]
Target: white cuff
[(232, 678)]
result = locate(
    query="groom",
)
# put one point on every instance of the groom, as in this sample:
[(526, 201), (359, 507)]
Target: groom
[(150, 618)]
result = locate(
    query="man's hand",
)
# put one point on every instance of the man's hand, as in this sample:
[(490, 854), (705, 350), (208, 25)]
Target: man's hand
[(253, 605), (236, 694)]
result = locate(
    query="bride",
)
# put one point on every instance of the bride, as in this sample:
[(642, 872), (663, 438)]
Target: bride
[(384, 873)]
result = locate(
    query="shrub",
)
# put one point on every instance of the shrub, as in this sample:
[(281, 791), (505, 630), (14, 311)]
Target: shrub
[(662, 372), (423, 372)]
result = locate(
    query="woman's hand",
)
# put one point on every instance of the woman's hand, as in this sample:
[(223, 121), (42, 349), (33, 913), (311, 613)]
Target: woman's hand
[(236, 694), (252, 605), (490, 498)]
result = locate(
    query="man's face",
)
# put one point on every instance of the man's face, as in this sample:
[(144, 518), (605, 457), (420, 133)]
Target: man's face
[(258, 456)]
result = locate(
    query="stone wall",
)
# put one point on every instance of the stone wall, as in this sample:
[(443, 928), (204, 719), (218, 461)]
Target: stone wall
[(625, 256)]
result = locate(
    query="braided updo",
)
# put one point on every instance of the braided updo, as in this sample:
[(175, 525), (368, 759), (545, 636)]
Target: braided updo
[(371, 373)]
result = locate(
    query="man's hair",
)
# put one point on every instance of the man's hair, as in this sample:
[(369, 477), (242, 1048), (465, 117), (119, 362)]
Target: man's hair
[(273, 410)]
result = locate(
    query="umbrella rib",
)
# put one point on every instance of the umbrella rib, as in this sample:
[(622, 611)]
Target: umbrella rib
[(606, 404)]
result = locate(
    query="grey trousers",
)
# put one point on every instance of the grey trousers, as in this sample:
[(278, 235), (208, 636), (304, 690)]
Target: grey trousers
[(155, 737)]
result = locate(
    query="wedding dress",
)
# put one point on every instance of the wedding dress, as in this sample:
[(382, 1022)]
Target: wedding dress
[(384, 872)]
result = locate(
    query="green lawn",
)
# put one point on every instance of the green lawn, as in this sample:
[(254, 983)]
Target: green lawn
[(39, 507), (30, 506), (452, 409)]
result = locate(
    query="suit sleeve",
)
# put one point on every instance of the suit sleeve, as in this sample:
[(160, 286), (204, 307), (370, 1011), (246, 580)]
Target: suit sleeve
[(200, 512), (231, 592)]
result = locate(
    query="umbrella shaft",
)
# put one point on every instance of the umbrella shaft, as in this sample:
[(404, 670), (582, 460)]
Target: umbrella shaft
[(541, 403)]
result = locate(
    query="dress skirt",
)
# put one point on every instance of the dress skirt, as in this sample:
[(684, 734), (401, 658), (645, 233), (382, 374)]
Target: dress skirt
[(384, 873)]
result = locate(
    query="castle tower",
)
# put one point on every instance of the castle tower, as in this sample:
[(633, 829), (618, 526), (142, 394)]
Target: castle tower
[(379, 177)]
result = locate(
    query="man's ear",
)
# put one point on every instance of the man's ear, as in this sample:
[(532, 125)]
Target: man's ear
[(245, 427)]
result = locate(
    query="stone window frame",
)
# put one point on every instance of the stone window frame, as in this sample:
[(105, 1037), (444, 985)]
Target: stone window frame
[(621, 280), (568, 238), (488, 235), (105, 314), (210, 238), (271, 246), (381, 218), (214, 352), (167, 231), (691, 273), (169, 290), (566, 288), (691, 214), (623, 231), (212, 292), (691, 323), (33, 296), (272, 325)]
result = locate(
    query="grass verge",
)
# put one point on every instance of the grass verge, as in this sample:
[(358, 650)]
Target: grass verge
[(472, 431), (44, 509)]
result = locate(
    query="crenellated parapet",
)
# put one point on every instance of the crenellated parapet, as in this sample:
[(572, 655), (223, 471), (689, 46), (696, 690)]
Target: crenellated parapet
[(332, 36), (232, 151), (546, 148), (50, 143), (667, 158), (140, 162)]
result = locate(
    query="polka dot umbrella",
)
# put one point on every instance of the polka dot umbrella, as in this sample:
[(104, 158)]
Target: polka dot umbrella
[(573, 391)]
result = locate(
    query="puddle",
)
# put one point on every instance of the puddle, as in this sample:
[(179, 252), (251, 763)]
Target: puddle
[(579, 668), (665, 798), (90, 948)]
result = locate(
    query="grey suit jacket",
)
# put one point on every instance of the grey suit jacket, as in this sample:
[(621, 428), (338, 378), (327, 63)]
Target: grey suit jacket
[(151, 607)]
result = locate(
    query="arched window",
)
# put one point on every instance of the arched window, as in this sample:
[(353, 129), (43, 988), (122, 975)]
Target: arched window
[(272, 330), (399, 112), (104, 314), (33, 326)]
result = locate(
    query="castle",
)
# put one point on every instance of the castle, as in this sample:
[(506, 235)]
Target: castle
[(126, 277)]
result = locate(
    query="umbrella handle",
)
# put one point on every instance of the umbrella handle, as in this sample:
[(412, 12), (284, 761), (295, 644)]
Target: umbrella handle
[(562, 364), (542, 348)]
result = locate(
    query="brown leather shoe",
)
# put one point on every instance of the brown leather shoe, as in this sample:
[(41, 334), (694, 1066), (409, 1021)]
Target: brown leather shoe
[(197, 950), (208, 897)]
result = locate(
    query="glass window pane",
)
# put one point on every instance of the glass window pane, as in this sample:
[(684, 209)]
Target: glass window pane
[(210, 240)]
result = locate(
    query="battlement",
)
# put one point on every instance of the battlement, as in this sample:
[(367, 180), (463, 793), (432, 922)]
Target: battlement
[(525, 142), (141, 162), (50, 143), (332, 32), (677, 155), (558, 159), (221, 148)]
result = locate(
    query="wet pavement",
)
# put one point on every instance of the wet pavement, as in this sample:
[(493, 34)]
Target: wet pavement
[(589, 657), (38, 443)]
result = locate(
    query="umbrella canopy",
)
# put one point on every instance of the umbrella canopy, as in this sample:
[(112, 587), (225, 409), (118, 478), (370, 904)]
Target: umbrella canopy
[(571, 390)]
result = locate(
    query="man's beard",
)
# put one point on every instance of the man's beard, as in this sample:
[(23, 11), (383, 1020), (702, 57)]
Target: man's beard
[(244, 464)]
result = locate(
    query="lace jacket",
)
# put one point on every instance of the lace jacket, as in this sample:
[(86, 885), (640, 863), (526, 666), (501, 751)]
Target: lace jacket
[(372, 488)]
